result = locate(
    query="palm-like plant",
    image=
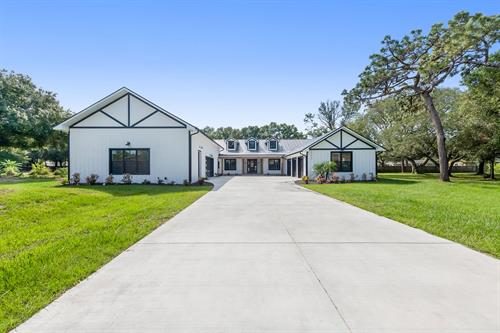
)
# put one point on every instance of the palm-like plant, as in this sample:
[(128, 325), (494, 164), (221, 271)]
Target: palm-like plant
[(10, 167)]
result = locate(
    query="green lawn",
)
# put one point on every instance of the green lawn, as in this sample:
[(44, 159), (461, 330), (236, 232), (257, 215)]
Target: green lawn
[(467, 210), (51, 236)]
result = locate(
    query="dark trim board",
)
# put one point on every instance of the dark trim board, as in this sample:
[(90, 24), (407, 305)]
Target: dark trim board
[(190, 158), (128, 110), (149, 115), (121, 127), (128, 125), (69, 155), (159, 109), (110, 116), (343, 149), (356, 140), (333, 144)]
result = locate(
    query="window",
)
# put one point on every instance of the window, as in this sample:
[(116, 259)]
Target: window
[(343, 161), (230, 165), (252, 145), (273, 145), (274, 164), (231, 145), (132, 161)]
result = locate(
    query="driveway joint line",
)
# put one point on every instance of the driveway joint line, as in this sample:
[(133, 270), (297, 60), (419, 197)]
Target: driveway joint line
[(315, 275)]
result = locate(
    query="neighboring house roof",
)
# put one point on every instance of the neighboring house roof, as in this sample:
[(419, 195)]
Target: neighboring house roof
[(284, 147)]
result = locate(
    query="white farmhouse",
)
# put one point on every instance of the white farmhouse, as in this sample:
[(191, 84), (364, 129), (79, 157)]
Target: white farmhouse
[(124, 133)]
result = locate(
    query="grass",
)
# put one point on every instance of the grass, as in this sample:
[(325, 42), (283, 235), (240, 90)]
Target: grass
[(466, 210), (52, 237)]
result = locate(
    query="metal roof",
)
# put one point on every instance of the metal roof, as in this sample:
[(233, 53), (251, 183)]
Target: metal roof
[(285, 146)]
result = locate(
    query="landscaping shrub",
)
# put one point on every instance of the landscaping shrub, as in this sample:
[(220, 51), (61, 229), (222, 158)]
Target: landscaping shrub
[(61, 172), (109, 180), (39, 170), (75, 179), (127, 179), (92, 179), (323, 169), (146, 182), (9, 168)]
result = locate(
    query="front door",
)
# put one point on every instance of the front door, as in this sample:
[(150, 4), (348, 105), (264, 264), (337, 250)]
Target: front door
[(251, 166)]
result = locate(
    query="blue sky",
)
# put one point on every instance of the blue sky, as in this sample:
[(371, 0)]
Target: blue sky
[(217, 63)]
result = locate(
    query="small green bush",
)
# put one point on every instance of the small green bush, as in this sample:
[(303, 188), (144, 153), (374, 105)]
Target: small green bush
[(61, 172), (323, 169), (39, 170)]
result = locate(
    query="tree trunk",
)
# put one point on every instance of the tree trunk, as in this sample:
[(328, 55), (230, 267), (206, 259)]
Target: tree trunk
[(436, 120), (402, 165), (492, 168), (414, 166), (480, 168)]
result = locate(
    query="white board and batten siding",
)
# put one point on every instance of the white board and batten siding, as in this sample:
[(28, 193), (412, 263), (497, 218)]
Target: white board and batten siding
[(202, 147), (125, 120), (363, 153)]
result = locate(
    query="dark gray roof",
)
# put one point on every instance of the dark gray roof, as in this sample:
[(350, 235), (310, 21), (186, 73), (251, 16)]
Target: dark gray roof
[(285, 146)]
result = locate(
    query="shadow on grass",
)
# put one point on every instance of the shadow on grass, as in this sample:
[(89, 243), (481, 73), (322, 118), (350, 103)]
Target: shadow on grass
[(395, 181)]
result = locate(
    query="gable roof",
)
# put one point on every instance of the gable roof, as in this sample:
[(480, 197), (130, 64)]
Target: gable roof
[(358, 136), (110, 99)]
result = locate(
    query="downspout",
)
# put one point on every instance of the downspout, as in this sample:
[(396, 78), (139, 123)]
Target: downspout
[(69, 154)]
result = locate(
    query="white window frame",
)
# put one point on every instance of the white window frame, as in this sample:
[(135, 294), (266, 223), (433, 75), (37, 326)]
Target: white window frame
[(234, 145), (276, 144)]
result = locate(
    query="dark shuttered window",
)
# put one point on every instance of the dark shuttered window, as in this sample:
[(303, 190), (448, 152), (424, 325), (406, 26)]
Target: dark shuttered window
[(131, 161)]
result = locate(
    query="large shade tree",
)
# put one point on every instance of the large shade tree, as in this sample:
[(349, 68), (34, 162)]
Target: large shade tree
[(28, 115), (415, 65)]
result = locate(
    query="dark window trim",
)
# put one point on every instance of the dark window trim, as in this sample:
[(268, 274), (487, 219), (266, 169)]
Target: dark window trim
[(136, 149), (339, 167), (230, 159)]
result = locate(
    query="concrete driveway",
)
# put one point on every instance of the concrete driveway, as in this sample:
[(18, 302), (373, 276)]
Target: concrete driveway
[(260, 254)]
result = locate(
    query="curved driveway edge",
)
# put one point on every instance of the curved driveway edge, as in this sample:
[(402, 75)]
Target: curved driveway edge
[(259, 254)]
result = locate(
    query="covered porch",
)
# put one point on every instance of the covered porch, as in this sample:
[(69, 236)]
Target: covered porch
[(252, 165)]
